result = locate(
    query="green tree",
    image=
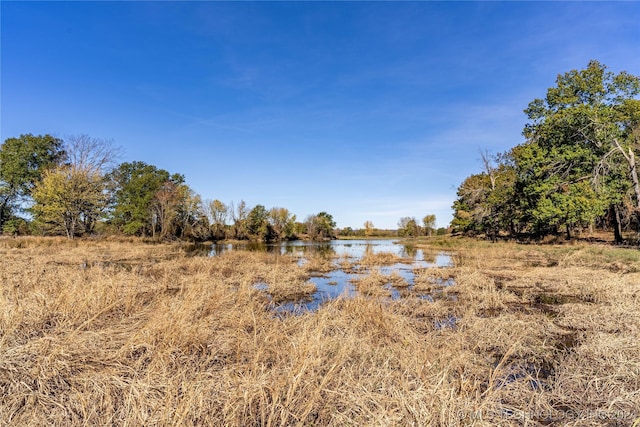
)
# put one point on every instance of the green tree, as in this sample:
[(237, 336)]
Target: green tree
[(16, 226), (258, 223), (408, 227), (554, 187), (577, 167), (583, 130), (23, 161), (134, 187), (469, 209), (347, 231), (320, 226), (486, 202)]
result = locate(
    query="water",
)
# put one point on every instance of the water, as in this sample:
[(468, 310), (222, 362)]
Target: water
[(344, 248), (339, 283)]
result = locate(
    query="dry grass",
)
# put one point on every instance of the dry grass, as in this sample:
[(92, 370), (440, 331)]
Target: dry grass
[(125, 333), (372, 259), (375, 284), (319, 264)]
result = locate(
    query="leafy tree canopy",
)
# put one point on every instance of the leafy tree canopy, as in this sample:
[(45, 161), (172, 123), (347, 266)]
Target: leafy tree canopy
[(69, 199), (320, 226), (134, 187), (577, 164), (22, 163)]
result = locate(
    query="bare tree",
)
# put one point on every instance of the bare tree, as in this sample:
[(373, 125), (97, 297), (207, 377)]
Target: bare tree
[(489, 167), (217, 214), (239, 217), (94, 155), (165, 207)]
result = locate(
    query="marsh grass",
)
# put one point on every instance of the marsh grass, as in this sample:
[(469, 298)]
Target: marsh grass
[(319, 264), (373, 259), (128, 333), (372, 284)]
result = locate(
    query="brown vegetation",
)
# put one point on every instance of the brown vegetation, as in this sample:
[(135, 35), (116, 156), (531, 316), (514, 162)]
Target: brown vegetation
[(125, 333), (381, 258)]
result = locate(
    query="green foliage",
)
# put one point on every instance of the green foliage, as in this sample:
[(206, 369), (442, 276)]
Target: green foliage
[(134, 187), (471, 209), (570, 170), (408, 227), (22, 163), (327, 219), (555, 186), (283, 223), (16, 226), (320, 226), (576, 166), (348, 232), (73, 196), (258, 224)]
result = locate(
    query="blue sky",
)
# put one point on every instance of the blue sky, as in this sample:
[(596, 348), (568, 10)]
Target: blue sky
[(367, 110)]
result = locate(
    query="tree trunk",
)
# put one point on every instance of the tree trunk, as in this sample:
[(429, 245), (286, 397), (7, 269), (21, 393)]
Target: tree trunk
[(633, 171), (636, 184), (634, 177), (617, 226), (69, 227), (631, 160), (4, 212)]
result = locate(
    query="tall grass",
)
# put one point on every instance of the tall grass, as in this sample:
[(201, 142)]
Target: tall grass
[(124, 333)]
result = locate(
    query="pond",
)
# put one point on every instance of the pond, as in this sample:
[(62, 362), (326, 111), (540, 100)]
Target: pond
[(406, 261)]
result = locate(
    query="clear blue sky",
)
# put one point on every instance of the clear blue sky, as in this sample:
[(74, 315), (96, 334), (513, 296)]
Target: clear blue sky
[(370, 111)]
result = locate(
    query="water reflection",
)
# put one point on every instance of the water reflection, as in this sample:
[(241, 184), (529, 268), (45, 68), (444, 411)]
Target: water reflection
[(338, 282), (409, 251), (344, 248), (295, 248)]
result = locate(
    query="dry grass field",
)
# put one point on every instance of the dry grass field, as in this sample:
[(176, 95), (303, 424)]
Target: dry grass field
[(100, 332)]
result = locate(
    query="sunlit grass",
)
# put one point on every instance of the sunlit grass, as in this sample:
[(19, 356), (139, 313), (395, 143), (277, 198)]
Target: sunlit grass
[(111, 332)]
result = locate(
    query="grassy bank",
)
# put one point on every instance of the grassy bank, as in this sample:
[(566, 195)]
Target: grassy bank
[(125, 333)]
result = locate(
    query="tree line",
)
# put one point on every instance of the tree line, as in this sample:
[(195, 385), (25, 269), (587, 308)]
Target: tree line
[(407, 227), (576, 170), (74, 187)]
